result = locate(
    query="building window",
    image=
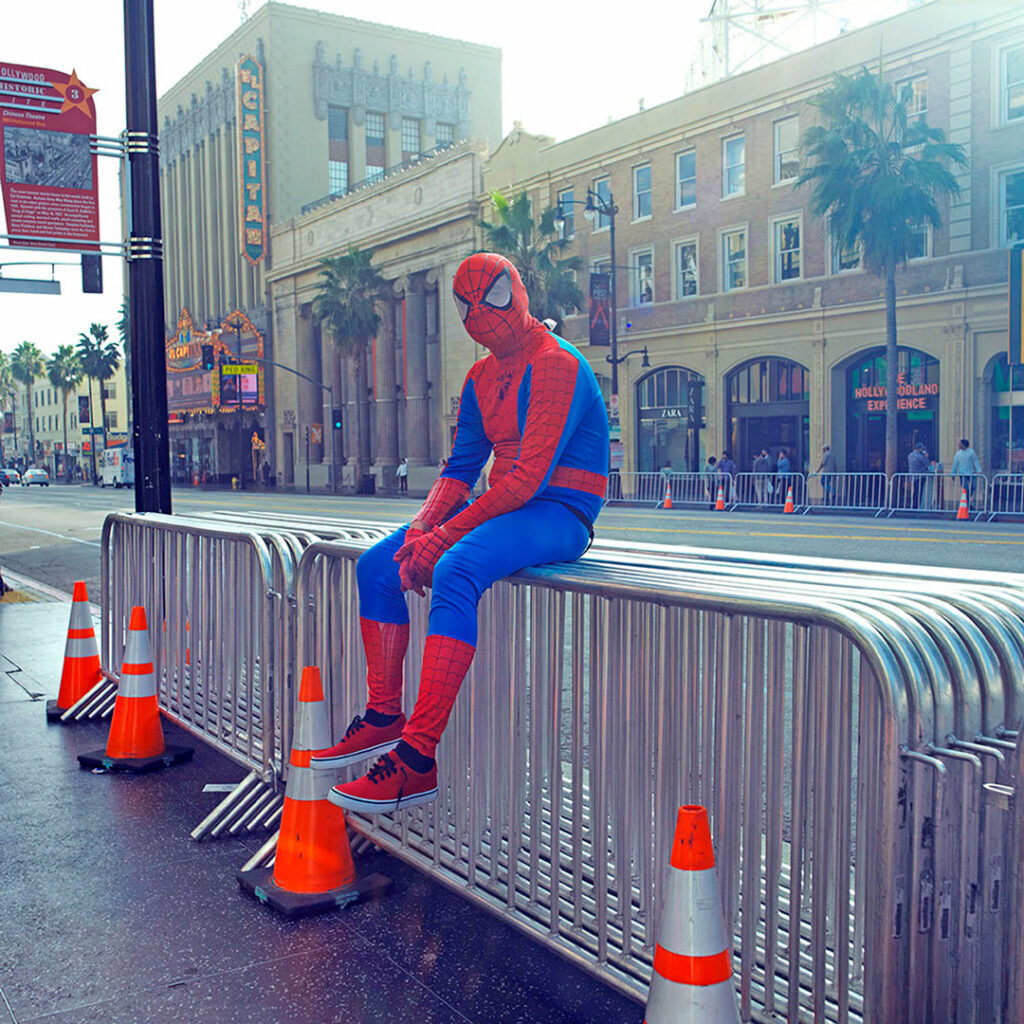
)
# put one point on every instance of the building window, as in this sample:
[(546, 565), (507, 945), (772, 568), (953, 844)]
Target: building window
[(110, 391), (641, 277), (687, 280), (786, 246), (337, 172), (337, 124), (1012, 106), (112, 420), (920, 247), (603, 189), (787, 149), (375, 129), (374, 172), (686, 179), (917, 97), (642, 192), (602, 265), (734, 259), (566, 213), (733, 166), (445, 134), (410, 138), (845, 257), (1011, 207)]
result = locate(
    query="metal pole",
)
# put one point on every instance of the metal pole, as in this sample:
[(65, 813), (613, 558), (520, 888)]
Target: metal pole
[(329, 426), (238, 389), (307, 460), (145, 265), (615, 309)]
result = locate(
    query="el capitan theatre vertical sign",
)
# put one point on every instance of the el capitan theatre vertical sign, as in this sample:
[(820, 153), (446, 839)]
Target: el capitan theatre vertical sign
[(251, 162), (47, 167)]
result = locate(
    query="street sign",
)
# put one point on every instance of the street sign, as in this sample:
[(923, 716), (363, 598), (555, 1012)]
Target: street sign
[(92, 430), (29, 285), (238, 369), (316, 433)]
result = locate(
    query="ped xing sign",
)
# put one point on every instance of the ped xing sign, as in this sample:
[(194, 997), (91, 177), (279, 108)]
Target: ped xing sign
[(47, 167), (239, 368)]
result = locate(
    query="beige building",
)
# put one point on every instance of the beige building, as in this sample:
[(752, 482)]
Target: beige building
[(84, 419), (759, 332), (294, 108), (402, 401)]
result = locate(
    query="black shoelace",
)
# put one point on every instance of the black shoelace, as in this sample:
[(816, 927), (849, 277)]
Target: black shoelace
[(356, 724), (382, 769)]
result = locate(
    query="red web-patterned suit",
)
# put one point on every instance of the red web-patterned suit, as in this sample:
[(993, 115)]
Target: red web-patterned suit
[(533, 402)]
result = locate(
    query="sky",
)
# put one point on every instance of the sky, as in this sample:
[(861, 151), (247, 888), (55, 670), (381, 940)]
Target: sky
[(565, 70)]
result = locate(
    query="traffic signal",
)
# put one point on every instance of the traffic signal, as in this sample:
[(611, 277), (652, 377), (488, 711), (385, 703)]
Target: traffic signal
[(207, 357), (336, 418), (92, 273)]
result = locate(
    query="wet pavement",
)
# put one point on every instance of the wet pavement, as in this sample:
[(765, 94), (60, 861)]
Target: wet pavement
[(111, 914)]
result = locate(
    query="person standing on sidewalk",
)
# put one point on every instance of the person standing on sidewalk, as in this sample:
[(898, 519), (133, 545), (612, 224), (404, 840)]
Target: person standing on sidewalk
[(917, 466), (534, 403), (967, 466), (727, 473), (708, 473), (402, 475), (828, 469), (762, 467), (783, 469)]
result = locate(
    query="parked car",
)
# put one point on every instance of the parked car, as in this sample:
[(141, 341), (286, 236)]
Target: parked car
[(10, 475), (35, 476)]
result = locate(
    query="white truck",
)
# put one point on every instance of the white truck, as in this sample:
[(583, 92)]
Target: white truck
[(117, 467)]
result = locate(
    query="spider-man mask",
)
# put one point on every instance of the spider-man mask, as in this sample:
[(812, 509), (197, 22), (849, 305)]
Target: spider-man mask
[(493, 303)]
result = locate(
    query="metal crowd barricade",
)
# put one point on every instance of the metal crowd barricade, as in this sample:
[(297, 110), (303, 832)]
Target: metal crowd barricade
[(846, 492), (687, 489), (766, 491), (593, 683), (937, 493), (1006, 495)]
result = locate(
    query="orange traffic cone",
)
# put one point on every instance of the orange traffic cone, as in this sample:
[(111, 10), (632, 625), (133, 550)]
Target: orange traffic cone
[(136, 739), (692, 978), (720, 500), (962, 512), (81, 657), (667, 503), (788, 508), (313, 869)]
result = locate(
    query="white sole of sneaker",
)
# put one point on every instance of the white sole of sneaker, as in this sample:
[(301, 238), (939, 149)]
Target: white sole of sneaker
[(354, 803), (344, 760)]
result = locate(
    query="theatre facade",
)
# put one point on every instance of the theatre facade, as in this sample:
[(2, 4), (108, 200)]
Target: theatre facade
[(760, 332)]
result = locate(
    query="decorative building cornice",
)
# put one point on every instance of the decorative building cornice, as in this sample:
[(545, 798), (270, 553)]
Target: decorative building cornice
[(203, 117), (391, 93)]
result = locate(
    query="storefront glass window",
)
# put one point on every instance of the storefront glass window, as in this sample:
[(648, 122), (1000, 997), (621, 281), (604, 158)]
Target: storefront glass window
[(1007, 411), (670, 421)]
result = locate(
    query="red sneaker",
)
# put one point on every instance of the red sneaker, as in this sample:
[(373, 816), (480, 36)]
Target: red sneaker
[(388, 785), (362, 741)]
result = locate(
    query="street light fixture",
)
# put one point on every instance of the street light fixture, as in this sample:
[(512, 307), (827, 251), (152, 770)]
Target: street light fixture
[(236, 321)]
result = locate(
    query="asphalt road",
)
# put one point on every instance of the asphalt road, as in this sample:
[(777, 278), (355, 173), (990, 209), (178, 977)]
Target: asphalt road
[(52, 534)]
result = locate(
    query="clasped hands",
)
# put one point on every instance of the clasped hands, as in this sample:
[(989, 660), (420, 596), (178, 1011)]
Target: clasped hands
[(419, 554)]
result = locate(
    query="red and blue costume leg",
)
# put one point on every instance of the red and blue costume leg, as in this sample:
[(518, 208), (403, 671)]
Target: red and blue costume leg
[(540, 531)]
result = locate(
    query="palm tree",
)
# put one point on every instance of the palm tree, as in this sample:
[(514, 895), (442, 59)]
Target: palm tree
[(64, 371), (123, 328), (99, 358), (535, 250), (346, 301), (26, 365), (8, 396), (878, 174)]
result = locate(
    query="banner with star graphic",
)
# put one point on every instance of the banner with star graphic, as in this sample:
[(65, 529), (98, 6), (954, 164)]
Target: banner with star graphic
[(47, 166)]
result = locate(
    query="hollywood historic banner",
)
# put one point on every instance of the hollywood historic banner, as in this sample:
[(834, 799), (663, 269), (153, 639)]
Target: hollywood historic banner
[(47, 167), (251, 159)]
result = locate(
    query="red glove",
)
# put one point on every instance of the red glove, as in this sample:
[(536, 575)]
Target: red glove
[(416, 558)]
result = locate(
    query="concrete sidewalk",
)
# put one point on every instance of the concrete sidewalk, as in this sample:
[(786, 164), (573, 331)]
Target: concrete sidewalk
[(113, 915)]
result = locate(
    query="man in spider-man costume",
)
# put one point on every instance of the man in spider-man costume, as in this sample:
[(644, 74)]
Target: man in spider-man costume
[(536, 404)]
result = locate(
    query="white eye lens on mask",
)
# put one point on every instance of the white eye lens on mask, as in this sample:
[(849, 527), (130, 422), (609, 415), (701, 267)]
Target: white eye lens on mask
[(499, 295), (462, 305)]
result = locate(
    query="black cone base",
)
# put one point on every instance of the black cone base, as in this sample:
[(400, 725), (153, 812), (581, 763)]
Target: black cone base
[(54, 711), (138, 765), (260, 882)]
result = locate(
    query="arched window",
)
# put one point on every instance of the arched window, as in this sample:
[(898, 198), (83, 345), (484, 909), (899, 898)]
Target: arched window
[(670, 420), (767, 406)]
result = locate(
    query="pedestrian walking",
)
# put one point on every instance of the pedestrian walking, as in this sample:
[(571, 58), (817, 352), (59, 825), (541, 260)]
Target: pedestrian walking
[(402, 475), (828, 467), (967, 466), (917, 467)]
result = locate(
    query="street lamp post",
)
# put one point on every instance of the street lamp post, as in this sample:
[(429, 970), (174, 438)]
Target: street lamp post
[(235, 321)]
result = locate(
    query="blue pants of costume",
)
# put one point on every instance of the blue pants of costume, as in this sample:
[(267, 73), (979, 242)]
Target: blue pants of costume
[(540, 531)]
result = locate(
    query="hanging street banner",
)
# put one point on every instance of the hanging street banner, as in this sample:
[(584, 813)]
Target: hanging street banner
[(600, 309), (251, 162), (47, 169)]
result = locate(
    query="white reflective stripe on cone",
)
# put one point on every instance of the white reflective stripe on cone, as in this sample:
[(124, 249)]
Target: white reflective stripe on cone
[(673, 1003), (313, 731), (308, 783), (81, 648), (692, 923), (80, 617), (137, 684)]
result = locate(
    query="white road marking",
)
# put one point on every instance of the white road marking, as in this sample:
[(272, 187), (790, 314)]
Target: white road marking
[(50, 533)]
